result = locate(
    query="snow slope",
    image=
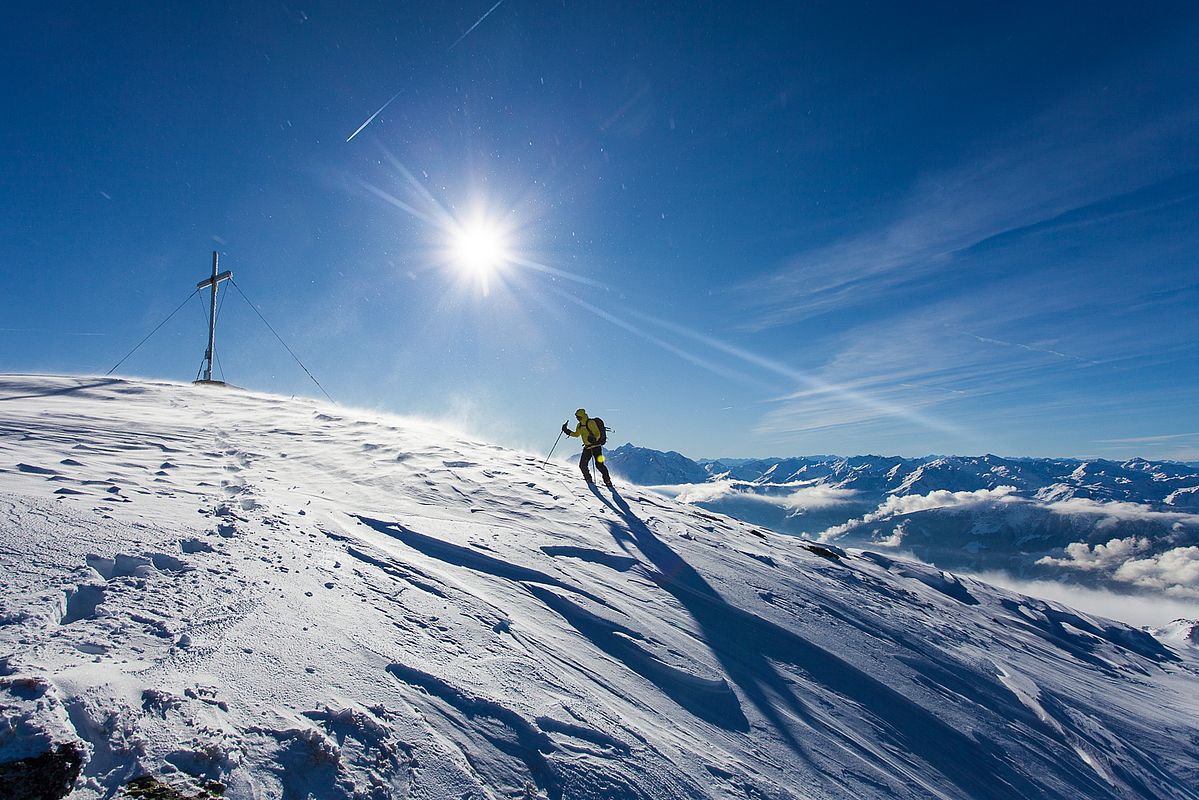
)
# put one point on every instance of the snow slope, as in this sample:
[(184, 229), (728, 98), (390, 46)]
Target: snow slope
[(297, 600)]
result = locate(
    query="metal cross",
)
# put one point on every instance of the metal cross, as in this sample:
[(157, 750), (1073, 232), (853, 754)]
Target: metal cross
[(213, 281)]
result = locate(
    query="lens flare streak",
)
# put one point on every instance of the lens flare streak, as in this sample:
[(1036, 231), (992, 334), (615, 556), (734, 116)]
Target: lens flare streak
[(691, 358), (467, 241), (815, 384), (397, 202), (558, 273)]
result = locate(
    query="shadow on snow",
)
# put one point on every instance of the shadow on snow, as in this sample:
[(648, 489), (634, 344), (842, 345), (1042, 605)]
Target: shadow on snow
[(745, 645)]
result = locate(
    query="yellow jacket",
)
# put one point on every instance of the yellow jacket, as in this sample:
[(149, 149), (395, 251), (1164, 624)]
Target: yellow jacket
[(588, 430)]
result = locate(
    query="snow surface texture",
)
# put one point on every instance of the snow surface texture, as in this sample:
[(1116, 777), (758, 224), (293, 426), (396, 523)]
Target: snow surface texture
[(297, 600)]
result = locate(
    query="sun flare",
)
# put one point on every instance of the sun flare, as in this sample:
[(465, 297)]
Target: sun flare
[(479, 249)]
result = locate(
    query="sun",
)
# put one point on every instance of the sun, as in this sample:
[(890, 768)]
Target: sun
[(479, 249)]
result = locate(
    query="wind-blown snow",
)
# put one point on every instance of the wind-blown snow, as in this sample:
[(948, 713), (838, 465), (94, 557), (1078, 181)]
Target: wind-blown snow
[(299, 600)]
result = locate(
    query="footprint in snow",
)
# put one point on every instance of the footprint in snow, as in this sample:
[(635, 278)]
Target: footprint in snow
[(119, 566), (123, 565), (82, 603)]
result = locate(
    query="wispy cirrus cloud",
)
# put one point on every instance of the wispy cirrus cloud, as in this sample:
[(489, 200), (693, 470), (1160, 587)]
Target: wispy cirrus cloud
[(858, 401), (1168, 437), (1013, 285), (935, 315), (942, 360), (1169, 446), (1058, 174)]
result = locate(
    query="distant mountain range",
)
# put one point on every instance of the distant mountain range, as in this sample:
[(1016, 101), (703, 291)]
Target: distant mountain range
[(1123, 524)]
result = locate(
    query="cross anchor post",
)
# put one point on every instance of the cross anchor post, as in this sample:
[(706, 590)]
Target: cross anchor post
[(212, 282)]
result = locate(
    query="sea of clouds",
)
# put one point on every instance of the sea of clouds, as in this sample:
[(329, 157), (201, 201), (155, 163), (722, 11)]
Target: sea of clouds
[(1154, 578)]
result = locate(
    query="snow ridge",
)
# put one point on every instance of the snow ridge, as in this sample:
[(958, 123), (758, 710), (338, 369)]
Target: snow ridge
[(294, 600)]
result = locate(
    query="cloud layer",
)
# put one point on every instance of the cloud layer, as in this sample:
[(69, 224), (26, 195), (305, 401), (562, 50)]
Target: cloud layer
[(1131, 560), (1139, 610), (1161, 557), (796, 500), (909, 504)]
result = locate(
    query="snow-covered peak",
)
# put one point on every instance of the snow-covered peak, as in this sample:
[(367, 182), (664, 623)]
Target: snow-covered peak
[(647, 467), (297, 600), (1184, 632)]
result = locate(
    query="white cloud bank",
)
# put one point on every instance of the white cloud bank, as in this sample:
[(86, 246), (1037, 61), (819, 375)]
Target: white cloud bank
[(805, 498), (819, 497), (908, 504), (1105, 557), (1118, 511), (1130, 560)]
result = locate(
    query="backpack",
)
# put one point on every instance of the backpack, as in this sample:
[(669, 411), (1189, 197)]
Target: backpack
[(603, 432)]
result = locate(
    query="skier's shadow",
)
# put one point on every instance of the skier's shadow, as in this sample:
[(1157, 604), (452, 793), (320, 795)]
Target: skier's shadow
[(746, 644)]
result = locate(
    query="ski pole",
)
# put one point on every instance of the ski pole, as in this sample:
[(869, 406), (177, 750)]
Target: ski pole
[(552, 449)]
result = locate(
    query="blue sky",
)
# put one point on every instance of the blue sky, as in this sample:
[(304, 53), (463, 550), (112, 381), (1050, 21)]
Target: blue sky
[(733, 229)]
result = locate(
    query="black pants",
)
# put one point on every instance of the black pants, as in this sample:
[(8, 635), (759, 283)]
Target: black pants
[(594, 451)]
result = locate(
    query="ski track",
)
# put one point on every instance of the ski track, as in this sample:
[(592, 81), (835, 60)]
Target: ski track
[(298, 601)]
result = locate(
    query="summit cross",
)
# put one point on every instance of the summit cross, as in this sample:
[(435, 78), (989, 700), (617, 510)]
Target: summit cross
[(209, 354)]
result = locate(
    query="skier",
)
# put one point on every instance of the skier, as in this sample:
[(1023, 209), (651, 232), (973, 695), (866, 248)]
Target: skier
[(595, 436)]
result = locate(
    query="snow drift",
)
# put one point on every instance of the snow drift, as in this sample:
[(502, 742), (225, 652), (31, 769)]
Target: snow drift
[(271, 598)]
